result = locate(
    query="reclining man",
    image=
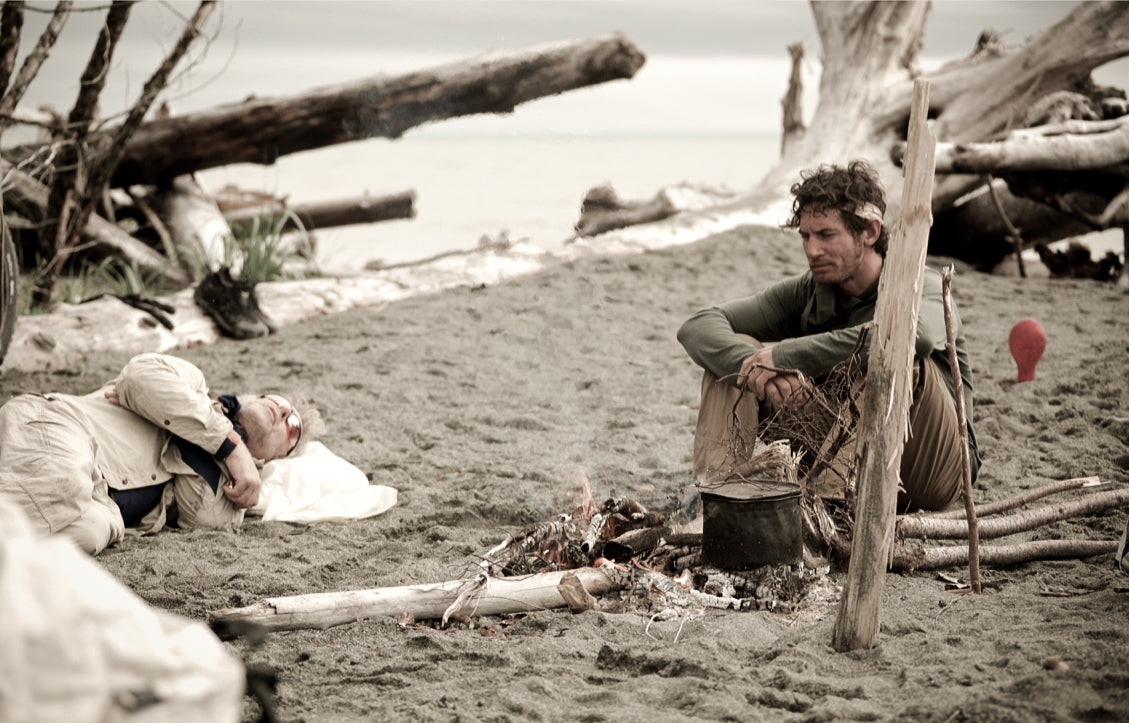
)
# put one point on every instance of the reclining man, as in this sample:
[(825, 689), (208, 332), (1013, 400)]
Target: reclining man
[(811, 323), (150, 442)]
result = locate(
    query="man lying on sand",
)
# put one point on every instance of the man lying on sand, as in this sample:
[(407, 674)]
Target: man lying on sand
[(811, 323), (150, 442)]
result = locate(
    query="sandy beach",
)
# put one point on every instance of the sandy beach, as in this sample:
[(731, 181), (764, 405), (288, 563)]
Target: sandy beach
[(480, 405)]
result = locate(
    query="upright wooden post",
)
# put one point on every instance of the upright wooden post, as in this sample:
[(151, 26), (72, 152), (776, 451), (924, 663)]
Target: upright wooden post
[(885, 414)]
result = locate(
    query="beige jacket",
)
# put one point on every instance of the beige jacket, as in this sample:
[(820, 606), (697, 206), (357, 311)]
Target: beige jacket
[(161, 397)]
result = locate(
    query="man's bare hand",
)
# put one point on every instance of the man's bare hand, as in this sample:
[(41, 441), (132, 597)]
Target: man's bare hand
[(111, 395), (243, 491), (784, 389), (753, 375), (759, 375)]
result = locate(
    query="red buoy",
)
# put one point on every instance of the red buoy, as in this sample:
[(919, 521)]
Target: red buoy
[(1027, 342)]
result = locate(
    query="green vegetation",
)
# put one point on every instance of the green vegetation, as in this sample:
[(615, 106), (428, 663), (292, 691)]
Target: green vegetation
[(273, 249), (268, 250)]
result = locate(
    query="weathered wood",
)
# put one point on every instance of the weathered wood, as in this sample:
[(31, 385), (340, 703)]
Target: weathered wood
[(869, 54), (1072, 146), (1010, 503), (908, 559), (328, 214), (603, 210), (933, 528), (107, 239), (497, 596), (793, 100), (193, 221), (885, 414), (976, 232), (972, 524), (260, 130)]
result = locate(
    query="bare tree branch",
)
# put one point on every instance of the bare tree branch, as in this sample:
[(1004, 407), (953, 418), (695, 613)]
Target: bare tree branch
[(11, 23), (32, 63), (69, 187), (112, 156)]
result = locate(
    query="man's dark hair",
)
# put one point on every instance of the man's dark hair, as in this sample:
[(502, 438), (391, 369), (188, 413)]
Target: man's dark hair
[(845, 190)]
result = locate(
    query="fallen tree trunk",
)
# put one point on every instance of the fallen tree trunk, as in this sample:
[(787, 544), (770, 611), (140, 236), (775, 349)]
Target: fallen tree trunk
[(602, 209), (262, 130), (497, 596), (1073, 146), (909, 559), (975, 232), (29, 196), (328, 214), (869, 53), (938, 529)]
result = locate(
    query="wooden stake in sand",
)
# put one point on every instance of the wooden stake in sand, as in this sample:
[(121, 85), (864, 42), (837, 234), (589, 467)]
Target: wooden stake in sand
[(965, 459), (885, 414)]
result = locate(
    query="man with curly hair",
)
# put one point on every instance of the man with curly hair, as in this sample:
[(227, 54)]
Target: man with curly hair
[(812, 322), (149, 445)]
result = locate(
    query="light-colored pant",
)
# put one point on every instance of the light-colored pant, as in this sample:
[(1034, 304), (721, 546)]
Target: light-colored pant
[(931, 469)]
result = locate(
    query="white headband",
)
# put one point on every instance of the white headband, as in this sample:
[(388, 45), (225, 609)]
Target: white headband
[(869, 212)]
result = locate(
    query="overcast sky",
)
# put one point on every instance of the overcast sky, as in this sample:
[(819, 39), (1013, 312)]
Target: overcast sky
[(712, 66)]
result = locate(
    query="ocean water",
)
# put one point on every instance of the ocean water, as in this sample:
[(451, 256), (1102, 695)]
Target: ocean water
[(522, 187), (469, 187)]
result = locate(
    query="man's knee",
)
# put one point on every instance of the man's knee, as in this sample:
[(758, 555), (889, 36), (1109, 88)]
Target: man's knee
[(198, 506), (99, 526), (932, 466)]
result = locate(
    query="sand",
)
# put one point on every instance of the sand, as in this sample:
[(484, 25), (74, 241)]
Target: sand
[(480, 405)]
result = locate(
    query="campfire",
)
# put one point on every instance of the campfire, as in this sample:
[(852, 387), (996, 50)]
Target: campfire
[(621, 556)]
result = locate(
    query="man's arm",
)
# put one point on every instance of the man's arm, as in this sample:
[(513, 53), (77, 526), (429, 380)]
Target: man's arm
[(172, 394), (710, 335), (931, 332), (246, 483)]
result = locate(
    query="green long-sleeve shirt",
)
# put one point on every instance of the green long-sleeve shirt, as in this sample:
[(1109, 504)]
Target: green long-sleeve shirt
[(813, 327)]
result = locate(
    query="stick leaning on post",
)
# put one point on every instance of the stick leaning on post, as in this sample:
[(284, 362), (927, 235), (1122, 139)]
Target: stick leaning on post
[(962, 421)]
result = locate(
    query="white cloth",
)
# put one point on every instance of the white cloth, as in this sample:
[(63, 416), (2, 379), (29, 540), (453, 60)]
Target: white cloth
[(76, 645), (315, 485)]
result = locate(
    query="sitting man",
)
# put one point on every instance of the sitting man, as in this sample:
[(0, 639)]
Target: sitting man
[(151, 441), (811, 323)]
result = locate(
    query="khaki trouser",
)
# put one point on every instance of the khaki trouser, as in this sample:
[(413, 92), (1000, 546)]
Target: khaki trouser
[(931, 470), (49, 466)]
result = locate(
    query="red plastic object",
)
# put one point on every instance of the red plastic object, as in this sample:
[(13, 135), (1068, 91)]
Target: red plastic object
[(1027, 342)]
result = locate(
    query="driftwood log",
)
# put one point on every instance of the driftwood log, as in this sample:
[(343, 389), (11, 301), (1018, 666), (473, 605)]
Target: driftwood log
[(1070, 146), (1011, 503), (260, 130), (909, 559), (869, 52), (999, 526), (326, 214), (474, 596), (603, 210)]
